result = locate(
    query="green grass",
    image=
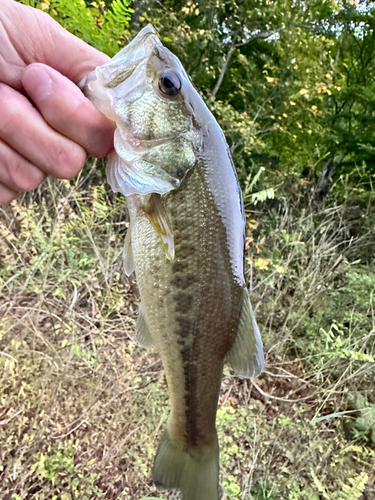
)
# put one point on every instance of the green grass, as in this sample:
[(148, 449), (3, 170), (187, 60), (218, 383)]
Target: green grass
[(82, 407)]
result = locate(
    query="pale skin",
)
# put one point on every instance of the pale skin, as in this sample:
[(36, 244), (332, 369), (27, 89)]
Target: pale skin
[(47, 126)]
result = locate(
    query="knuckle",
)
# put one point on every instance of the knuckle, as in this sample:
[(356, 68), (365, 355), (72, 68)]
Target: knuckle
[(28, 182), (25, 177), (9, 107), (69, 161), (16, 173), (23, 183), (13, 107)]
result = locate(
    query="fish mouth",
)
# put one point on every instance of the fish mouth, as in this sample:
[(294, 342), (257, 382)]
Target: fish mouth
[(123, 64)]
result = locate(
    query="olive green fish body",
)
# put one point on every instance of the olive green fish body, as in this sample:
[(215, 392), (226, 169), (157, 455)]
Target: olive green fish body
[(192, 304), (185, 243)]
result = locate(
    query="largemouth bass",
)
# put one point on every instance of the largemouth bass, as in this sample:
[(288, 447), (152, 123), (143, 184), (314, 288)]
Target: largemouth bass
[(186, 244)]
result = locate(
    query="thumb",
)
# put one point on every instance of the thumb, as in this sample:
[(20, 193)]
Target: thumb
[(38, 38), (67, 110)]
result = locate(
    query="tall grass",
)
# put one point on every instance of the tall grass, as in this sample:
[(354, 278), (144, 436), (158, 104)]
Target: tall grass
[(82, 407)]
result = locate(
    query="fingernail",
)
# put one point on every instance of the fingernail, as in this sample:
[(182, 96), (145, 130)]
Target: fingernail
[(40, 81)]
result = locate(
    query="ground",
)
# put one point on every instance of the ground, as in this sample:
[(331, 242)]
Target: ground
[(82, 407)]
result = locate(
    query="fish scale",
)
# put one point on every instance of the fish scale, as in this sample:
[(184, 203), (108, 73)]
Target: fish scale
[(186, 244), (204, 329)]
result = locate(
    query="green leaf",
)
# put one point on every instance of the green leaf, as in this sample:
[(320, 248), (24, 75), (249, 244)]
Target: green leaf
[(332, 415)]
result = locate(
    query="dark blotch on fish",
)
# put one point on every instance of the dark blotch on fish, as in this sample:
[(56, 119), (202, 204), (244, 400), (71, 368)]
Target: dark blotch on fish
[(179, 266), (191, 402), (183, 302), (185, 325), (183, 281)]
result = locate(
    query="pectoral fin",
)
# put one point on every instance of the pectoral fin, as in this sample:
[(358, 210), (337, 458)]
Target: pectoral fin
[(127, 254), (142, 333), (159, 220), (246, 354)]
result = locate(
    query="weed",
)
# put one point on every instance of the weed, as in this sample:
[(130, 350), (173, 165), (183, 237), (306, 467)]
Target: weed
[(82, 407)]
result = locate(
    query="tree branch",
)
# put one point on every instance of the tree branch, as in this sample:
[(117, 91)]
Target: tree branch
[(328, 170), (262, 34), (223, 70)]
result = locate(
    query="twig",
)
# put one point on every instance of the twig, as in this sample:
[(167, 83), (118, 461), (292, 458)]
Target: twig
[(8, 356), (223, 70), (288, 375), (252, 466), (227, 395), (265, 394), (4, 422), (72, 430), (261, 34), (80, 182)]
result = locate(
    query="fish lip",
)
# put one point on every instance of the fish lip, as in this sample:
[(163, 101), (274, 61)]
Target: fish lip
[(145, 33), (137, 47)]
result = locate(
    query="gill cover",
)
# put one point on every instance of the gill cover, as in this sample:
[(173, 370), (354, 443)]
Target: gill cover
[(155, 140)]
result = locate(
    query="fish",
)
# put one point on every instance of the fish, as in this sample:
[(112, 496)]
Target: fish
[(185, 242)]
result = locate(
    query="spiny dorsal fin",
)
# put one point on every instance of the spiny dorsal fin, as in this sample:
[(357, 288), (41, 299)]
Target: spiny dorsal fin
[(246, 354)]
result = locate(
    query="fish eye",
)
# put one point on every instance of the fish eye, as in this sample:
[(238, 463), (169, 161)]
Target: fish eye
[(169, 83)]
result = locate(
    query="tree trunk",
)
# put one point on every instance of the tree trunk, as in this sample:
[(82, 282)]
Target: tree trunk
[(329, 168)]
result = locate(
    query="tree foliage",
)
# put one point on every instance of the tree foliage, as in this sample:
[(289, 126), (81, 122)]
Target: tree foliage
[(291, 82), (100, 24)]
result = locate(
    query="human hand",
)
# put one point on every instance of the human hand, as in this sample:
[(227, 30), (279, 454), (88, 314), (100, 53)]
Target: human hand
[(41, 61)]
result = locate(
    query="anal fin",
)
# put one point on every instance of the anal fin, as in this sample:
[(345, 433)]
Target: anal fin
[(246, 354), (142, 333)]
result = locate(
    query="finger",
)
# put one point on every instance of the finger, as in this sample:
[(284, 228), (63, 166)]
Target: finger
[(16, 173), (6, 195), (24, 129), (67, 110), (53, 46)]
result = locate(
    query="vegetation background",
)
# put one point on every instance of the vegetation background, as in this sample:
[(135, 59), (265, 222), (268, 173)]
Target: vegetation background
[(81, 406)]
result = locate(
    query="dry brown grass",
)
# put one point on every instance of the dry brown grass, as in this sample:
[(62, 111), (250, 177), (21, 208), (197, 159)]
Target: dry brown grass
[(82, 407)]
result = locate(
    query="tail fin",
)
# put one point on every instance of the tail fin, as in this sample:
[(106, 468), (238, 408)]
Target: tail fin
[(193, 470)]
